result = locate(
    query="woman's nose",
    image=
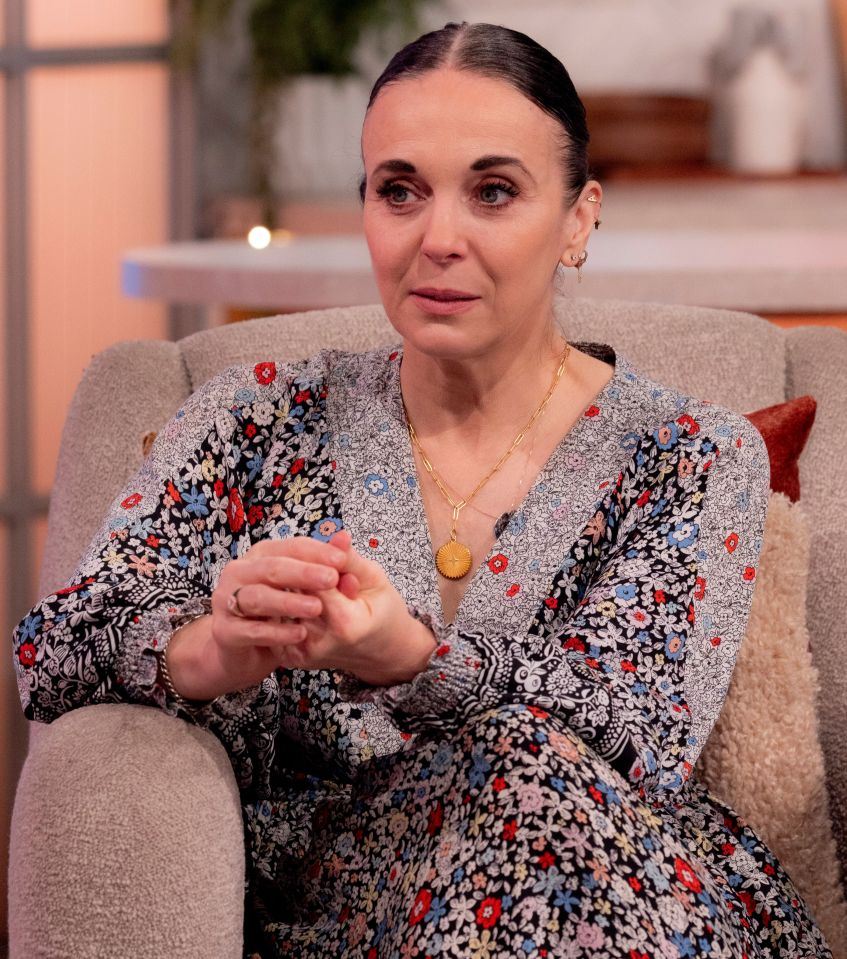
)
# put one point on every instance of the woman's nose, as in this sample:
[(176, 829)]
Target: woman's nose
[(443, 237)]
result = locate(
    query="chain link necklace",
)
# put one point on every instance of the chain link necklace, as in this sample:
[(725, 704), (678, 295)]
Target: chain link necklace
[(453, 559)]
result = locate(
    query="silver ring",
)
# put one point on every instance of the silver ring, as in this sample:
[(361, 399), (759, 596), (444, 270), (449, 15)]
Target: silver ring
[(233, 606)]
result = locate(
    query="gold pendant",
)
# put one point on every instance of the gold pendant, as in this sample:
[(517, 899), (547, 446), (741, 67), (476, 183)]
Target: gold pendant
[(453, 560)]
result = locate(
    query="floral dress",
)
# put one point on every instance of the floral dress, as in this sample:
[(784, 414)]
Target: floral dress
[(530, 793)]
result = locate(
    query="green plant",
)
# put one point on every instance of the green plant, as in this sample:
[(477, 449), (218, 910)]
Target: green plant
[(290, 38)]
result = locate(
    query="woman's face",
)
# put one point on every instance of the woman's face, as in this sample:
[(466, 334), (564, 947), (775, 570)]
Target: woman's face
[(465, 212)]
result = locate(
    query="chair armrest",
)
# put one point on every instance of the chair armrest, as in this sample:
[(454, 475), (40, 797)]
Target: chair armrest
[(127, 840)]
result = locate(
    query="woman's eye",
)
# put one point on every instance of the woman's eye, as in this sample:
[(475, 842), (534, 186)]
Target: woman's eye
[(396, 194), (496, 194)]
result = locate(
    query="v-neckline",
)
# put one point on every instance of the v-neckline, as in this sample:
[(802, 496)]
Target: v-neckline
[(542, 478), (382, 505)]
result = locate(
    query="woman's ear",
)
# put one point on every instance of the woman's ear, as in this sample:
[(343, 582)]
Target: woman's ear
[(581, 219)]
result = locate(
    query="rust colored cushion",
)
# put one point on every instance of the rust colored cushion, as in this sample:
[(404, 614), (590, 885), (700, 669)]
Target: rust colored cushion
[(785, 428)]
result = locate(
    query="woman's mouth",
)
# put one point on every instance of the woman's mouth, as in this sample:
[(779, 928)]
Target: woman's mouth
[(443, 301)]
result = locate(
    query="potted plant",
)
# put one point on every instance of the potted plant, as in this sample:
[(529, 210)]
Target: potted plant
[(308, 92)]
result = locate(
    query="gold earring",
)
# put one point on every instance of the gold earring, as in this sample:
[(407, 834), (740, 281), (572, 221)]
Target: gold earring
[(597, 220), (579, 261)]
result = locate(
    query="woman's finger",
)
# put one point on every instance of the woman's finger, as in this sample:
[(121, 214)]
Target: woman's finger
[(287, 572), (244, 633), (298, 547), (259, 601)]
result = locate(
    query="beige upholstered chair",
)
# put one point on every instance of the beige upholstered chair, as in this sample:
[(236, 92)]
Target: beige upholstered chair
[(126, 837)]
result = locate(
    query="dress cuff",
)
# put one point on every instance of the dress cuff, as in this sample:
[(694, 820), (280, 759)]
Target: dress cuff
[(436, 692), (144, 643)]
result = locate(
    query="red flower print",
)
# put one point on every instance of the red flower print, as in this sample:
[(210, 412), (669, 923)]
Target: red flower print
[(513, 590), (659, 596), (627, 666), (510, 830), (302, 396), (219, 488), (685, 874), (65, 590), (731, 542), (173, 492), (499, 784), (373, 542), (551, 602), (592, 410), (498, 563), (546, 860), (132, 500), (265, 372), (235, 511), (596, 795), (393, 356), (436, 817), (153, 541), (538, 713), (574, 642), (277, 481), (250, 430), (644, 498), (443, 650), (692, 427), (488, 912), (423, 901), (636, 885), (635, 954), (700, 591), (749, 573), (255, 514), (26, 654), (296, 466), (715, 640)]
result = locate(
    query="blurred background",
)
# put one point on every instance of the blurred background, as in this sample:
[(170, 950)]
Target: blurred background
[(141, 140)]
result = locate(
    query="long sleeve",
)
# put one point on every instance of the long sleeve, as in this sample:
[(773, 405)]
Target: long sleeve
[(214, 480), (660, 579)]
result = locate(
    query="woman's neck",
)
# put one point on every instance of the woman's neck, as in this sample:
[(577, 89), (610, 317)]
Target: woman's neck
[(478, 395)]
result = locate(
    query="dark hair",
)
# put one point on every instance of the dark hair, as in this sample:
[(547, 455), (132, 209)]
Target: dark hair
[(502, 54)]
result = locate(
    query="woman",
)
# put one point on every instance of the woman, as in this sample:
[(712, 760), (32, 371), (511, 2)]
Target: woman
[(462, 611)]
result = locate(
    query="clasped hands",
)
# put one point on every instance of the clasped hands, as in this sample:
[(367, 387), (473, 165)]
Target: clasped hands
[(304, 604)]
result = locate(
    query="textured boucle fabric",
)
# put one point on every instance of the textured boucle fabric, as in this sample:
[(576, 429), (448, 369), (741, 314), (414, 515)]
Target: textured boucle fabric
[(732, 359), (126, 391), (127, 840), (764, 756), (817, 364)]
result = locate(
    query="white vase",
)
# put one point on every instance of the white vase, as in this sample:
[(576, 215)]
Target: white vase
[(317, 139), (764, 105)]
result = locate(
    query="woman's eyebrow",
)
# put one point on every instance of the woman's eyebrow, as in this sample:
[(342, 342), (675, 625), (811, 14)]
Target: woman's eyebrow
[(396, 166), (484, 163)]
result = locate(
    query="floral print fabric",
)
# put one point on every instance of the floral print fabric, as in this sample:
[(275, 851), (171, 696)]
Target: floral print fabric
[(531, 792)]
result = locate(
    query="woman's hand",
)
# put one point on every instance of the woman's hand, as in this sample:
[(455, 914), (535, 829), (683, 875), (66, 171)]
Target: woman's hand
[(306, 604), (364, 627), (278, 584)]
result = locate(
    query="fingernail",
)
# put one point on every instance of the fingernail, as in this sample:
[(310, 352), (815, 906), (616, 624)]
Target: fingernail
[(328, 577)]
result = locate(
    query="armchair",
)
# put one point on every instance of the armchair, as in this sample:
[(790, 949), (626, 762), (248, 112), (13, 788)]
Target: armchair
[(126, 835)]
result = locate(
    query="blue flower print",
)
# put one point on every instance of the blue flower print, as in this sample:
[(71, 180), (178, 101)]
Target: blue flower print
[(195, 502), (254, 466), (326, 528), (119, 522), (629, 441), (626, 591), (30, 626), (683, 534), (674, 646), (666, 435), (244, 396), (376, 485)]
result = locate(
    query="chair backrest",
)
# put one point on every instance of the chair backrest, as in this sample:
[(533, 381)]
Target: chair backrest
[(732, 359)]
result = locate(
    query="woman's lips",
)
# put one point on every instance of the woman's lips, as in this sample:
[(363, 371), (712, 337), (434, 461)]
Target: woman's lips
[(443, 302)]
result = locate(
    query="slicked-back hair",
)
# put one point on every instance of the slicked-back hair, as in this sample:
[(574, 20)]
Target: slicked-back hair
[(513, 57)]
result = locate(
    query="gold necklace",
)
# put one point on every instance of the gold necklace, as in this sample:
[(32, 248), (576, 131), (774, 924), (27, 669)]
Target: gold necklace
[(453, 559)]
